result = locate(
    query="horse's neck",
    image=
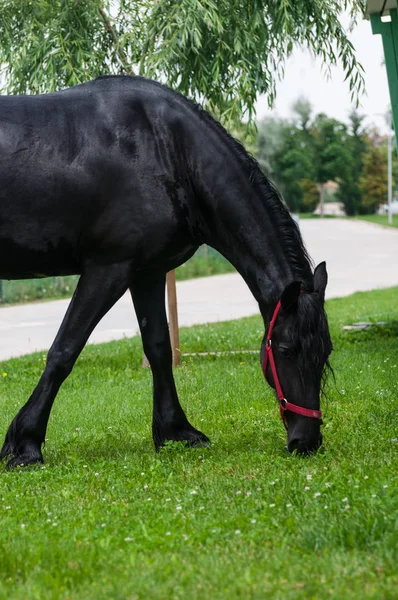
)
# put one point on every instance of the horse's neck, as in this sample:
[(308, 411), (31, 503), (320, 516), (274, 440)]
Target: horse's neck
[(245, 229), (264, 269)]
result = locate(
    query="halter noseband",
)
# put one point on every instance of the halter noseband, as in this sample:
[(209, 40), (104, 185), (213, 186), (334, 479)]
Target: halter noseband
[(284, 405)]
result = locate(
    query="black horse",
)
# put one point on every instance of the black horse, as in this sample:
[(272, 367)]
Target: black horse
[(121, 180)]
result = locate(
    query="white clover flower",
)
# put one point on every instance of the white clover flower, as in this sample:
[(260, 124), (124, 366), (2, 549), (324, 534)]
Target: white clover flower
[(193, 492), (237, 531), (128, 539), (306, 488), (347, 507), (288, 505), (309, 477), (271, 505), (179, 507), (253, 521), (317, 494)]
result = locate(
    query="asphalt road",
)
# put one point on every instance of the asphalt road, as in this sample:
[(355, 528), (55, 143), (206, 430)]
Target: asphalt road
[(360, 256)]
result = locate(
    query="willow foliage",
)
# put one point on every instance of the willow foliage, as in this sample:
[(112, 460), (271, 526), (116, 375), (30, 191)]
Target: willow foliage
[(221, 52)]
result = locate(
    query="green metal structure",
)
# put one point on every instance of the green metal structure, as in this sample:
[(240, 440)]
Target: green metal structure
[(383, 16)]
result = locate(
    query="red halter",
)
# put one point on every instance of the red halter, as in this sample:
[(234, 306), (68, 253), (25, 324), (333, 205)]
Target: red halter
[(284, 405)]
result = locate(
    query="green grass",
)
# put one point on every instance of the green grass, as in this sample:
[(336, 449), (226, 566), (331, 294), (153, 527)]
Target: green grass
[(108, 518), (206, 261), (380, 219), (315, 216)]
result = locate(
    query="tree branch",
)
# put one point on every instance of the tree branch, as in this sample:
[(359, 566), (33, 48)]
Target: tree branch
[(120, 52)]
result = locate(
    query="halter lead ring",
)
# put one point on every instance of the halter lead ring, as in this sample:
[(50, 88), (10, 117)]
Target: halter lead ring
[(284, 405)]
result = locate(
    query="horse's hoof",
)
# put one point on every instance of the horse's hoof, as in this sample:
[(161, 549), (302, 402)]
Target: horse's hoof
[(193, 438), (6, 451), (22, 454), (200, 442), (25, 460)]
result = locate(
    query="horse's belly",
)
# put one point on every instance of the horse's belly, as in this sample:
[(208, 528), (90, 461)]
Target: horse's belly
[(44, 258)]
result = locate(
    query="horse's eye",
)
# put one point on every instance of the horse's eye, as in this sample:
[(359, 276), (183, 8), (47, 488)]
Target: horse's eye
[(285, 351)]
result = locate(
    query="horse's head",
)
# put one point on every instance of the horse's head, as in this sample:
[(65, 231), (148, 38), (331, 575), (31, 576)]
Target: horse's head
[(295, 352)]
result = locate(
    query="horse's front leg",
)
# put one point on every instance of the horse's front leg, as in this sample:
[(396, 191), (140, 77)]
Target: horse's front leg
[(98, 289), (169, 420)]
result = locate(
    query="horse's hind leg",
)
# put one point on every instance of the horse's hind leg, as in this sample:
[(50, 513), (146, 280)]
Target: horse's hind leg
[(169, 420), (98, 289)]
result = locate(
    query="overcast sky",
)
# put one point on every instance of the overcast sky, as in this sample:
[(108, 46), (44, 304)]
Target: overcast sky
[(303, 76)]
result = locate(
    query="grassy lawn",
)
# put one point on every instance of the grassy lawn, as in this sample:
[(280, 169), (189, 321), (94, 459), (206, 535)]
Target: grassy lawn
[(380, 219), (314, 216), (108, 518)]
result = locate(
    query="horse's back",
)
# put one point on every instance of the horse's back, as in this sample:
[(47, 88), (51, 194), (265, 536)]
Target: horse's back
[(79, 172)]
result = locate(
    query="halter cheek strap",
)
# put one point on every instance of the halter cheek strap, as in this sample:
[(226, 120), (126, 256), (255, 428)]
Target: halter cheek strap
[(284, 405)]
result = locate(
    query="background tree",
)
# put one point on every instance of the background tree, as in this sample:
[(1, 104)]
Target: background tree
[(350, 192), (269, 141), (302, 110), (224, 54), (310, 195), (373, 182), (292, 164), (330, 152), (303, 154)]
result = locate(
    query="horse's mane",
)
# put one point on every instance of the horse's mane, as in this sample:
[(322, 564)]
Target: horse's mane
[(288, 231)]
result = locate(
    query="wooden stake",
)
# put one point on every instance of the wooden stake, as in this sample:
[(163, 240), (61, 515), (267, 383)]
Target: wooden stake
[(173, 317), (173, 321)]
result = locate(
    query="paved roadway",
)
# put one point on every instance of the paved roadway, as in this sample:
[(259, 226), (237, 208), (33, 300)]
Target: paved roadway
[(360, 256)]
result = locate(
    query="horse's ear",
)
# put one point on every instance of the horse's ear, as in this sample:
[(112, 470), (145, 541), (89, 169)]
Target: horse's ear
[(320, 279), (290, 295)]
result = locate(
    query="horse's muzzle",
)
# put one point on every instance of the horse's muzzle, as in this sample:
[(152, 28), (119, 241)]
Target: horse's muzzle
[(305, 446)]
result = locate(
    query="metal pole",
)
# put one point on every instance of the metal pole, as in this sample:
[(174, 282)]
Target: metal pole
[(390, 168)]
